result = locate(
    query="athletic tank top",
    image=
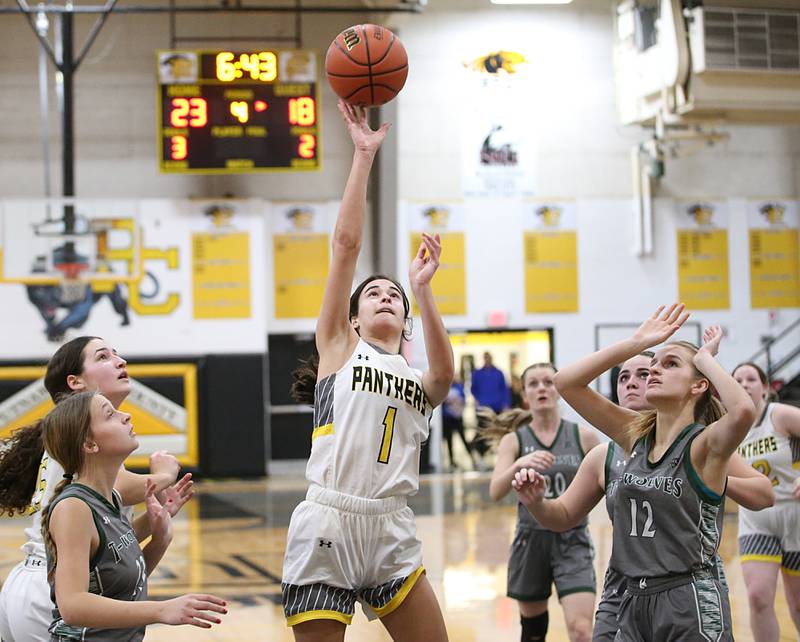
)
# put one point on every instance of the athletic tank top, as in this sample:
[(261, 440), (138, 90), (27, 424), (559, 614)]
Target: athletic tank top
[(116, 571), (666, 520), (568, 454), (772, 454), (50, 473), (370, 419), (615, 464)]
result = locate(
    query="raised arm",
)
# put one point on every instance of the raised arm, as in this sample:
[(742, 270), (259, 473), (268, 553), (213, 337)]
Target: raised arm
[(748, 487), (573, 381), (335, 337), (437, 379), (581, 496), (720, 439)]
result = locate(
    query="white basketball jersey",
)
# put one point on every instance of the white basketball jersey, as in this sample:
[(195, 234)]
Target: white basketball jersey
[(370, 419), (50, 474), (773, 455)]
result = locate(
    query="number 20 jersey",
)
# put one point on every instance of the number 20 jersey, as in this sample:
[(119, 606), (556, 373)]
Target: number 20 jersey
[(370, 419)]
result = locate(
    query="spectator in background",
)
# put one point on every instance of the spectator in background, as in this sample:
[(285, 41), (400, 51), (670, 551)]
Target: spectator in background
[(453, 420), (490, 390), (489, 386)]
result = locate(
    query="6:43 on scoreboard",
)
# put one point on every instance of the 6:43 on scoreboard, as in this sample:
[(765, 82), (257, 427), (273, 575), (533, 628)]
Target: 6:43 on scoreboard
[(230, 112)]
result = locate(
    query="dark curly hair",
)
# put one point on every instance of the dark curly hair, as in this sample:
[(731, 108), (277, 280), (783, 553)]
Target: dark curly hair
[(21, 453)]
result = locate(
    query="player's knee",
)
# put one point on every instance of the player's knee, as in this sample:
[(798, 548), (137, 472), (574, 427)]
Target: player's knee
[(760, 599), (579, 629), (534, 629)]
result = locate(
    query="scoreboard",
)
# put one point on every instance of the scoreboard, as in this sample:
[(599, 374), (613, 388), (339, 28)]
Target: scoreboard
[(230, 112)]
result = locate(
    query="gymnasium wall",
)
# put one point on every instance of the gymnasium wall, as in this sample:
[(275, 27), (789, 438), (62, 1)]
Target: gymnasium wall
[(579, 158)]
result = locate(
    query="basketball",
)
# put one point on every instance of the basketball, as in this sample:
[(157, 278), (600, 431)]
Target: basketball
[(366, 65)]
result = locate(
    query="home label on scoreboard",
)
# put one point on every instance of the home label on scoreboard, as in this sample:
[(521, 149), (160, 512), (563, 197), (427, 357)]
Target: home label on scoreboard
[(230, 112)]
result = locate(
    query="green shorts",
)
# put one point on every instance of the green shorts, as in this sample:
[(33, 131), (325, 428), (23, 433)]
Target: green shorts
[(540, 558)]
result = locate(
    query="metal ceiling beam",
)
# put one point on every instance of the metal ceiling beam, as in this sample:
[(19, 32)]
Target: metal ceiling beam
[(404, 7)]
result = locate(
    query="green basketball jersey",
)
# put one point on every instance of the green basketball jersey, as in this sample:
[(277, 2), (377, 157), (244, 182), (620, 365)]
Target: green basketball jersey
[(116, 571), (568, 454), (666, 520)]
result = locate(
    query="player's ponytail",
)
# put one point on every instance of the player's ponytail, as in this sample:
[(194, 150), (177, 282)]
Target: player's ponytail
[(49, 543), (498, 426), (20, 457), (305, 380), (643, 425)]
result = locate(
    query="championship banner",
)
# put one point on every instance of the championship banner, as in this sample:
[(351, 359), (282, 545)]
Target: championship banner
[(162, 404), (702, 239), (301, 254), (449, 284), (498, 153), (551, 257), (774, 269), (221, 267)]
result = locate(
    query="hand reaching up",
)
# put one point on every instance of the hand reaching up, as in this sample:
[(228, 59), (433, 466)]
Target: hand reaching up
[(661, 326), (364, 137), (426, 261), (711, 340)]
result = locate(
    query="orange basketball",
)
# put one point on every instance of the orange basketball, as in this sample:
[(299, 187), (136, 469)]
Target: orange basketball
[(366, 65)]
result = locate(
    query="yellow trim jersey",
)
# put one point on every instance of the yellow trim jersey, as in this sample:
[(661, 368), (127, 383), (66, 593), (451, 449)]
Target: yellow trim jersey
[(773, 454), (370, 420)]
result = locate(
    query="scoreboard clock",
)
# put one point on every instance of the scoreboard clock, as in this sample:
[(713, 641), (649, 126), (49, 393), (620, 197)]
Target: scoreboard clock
[(230, 112)]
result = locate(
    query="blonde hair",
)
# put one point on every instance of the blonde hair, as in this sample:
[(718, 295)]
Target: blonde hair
[(65, 430), (707, 409), (498, 426)]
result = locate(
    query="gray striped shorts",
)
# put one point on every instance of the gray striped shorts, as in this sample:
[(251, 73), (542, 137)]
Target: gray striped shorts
[(342, 548)]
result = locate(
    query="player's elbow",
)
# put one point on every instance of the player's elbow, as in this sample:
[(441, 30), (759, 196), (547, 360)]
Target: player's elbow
[(561, 383), (766, 498), (71, 612), (345, 242), (496, 492), (743, 413)]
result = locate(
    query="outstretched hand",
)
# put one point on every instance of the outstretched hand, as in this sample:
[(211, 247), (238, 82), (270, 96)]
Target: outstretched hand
[(174, 497), (530, 486), (194, 609), (426, 261), (661, 326), (711, 340), (364, 137), (158, 515)]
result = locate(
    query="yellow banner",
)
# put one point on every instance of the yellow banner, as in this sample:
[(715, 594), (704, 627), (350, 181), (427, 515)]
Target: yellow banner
[(774, 268), (449, 284), (221, 275), (551, 271), (703, 282), (301, 269)]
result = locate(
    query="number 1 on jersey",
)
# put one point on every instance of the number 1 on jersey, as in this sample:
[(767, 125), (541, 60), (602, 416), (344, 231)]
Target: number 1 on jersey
[(388, 433)]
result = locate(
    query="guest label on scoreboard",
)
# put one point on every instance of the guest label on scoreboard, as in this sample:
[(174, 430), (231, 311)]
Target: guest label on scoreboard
[(230, 112)]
